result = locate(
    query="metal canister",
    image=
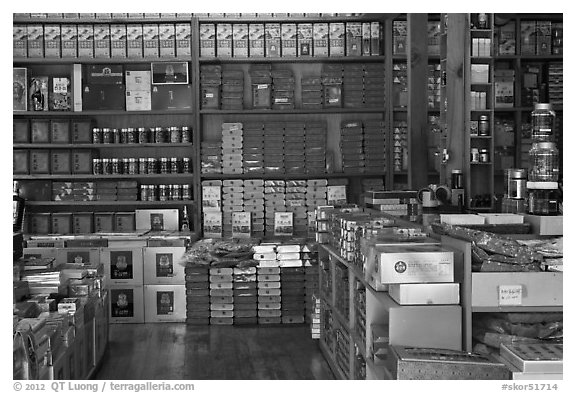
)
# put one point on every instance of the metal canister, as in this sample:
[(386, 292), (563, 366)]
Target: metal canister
[(152, 193), (152, 165), (164, 167), (186, 194), (97, 168), (515, 186), (174, 165), (117, 136), (484, 155), (186, 165), (132, 166), (106, 166), (132, 135), (176, 192), (143, 192), (162, 192), (116, 170), (107, 136), (97, 135), (186, 135), (474, 155), (142, 135), (175, 135), (143, 166), (124, 135), (483, 126)]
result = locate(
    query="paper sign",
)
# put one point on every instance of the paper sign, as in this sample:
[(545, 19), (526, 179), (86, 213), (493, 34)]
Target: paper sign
[(211, 198), (241, 225), (336, 195), (212, 224), (510, 295), (283, 223)]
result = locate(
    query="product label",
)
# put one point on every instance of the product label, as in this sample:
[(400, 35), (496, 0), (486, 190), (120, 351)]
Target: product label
[(336, 195), (183, 39), (164, 265), (241, 225), (211, 198), (86, 41), (207, 40), (164, 302), (122, 303), (283, 223), (509, 295), (121, 265), (212, 224), (78, 257)]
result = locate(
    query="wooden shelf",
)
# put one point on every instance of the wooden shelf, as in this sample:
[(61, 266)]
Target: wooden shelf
[(101, 113), (92, 60), (400, 109), (110, 203), (95, 145), (290, 111), (101, 20), (481, 137), (181, 176), (301, 19), (481, 163), (518, 309), (294, 59), (247, 176), (330, 359)]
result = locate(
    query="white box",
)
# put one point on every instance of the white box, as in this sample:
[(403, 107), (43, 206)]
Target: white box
[(138, 81), (157, 219), (138, 100), (414, 264), (164, 303), (162, 265), (422, 294), (83, 256), (462, 219), (502, 218), (118, 41), (126, 304), (123, 266), (545, 225), (479, 73)]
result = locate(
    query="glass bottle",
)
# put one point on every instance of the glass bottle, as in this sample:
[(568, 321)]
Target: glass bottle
[(18, 204)]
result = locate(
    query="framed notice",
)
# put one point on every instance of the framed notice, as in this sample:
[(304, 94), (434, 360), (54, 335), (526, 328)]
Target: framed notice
[(169, 73), (283, 224), (241, 224), (19, 89)]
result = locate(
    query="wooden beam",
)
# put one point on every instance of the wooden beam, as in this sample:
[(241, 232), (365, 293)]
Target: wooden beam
[(417, 100)]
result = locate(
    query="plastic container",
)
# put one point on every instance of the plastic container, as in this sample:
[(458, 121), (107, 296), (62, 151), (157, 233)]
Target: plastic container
[(543, 121), (544, 162)]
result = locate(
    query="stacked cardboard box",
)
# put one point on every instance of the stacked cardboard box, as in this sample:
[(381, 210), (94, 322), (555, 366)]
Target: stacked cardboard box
[(221, 296), (127, 190), (353, 85), (232, 89), (402, 203), (315, 152), (232, 201), (315, 316), (275, 201), (212, 219), (253, 148), (261, 79), (296, 203), (400, 84), (332, 84), (374, 86), (197, 295), (245, 293), (210, 83), (254, 204), (294, 145), (351, 147), (374, 147), (555, 82), (400, 146), (269, 295), (311, 90), (274, 148), (138, 90), (284, 85), (106, 190), (232, 140), (434, 82), (293, 294)]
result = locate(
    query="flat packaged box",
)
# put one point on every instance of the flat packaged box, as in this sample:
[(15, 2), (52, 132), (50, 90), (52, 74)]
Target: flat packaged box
[(207, 40), (224, 39), (81, 162), (69, 34), (162, 265), (534, 357), (337, 36), (134, 41), (273, 40), (543, 38), (353, 39), (124, 222), (40, 162), (256, 34), (413, 264), (104, 222), (321, 35), (164, 303), (123, 266), (305, 39), (138, 100), (102, 41), (19, 35), (52, 40), (60, 162), (545, 225), (479, 73), (241, 225), (151, 40), (240, 39), (422, 294), (289, 34), (103, 97), (138, 80), (21, 162), (171, 97), (167, 40), (35, 40), (375, 39), (60, 95), (183, 39), (40, 131), (118, 41), (78, 256), (157, 219), (527, 37), (507, 38), (85, 41)]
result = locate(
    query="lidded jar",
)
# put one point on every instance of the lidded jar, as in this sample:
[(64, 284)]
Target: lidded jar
[(543, 121), (544, 162)]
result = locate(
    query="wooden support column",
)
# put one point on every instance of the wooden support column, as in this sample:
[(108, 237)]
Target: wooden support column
[(417, 100)]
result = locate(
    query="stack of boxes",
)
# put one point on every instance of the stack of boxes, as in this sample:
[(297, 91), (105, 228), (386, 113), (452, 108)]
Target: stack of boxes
[(254, 204), (400, 84), (332, 84), (353, 85), (232, 201), (221, 296), (269, 293), (253, 148), (315, 317), (434, 82), (315, 152), (127, 190), (107, 190), (232, 90), (261, 79), (351, 146), (138, 90), (294, 145), (296, 203), (232, 139), (400, 146), (274, 148), (245, 293), (275, 201), (398, 203), (311, 90), (555, 82), (197, 295), (374, 86), (210, 83), (374, 148), (284, 85), (293, 282)]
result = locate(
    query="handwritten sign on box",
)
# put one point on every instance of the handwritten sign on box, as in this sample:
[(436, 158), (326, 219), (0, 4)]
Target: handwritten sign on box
[(510, 295)]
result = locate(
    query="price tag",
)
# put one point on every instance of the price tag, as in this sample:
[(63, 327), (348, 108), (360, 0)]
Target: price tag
[(510, 295), (60, 85)]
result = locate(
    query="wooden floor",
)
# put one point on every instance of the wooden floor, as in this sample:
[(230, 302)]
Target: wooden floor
[(175, 351)]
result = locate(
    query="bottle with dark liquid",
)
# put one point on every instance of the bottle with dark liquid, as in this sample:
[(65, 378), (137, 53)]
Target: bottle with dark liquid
[(17, 208), (185, 220)]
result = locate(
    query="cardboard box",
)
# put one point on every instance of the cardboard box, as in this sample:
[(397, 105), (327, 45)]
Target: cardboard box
[(167, 40), (164, 303), (126, 304), (39, 162), (85, 41), (183, 33), (207, 40), (151, 40), (19, 34), (118, 41), (224, 39), (82, 161), (138, 100), (123, 266), (79, 256), (60, 162), (21, 162), (256, 34), (124, 222), (59, 131), (157, 219), (171, 97), (289, 35), (134, 41), (353, 39), (103, 97), (102, 40), (321, 34), (162, 265), (35, 35), (376, 39), (52, 40), (60, 95), (422, 294), (240, 39), (545, 225), (273, 40)]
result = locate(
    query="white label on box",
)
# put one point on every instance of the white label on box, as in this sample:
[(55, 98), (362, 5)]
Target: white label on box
[(211, 198), (336, 195), (241, 225), (138, 81), (138, 100), (283, 223), (212, 224), (510, 295)]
